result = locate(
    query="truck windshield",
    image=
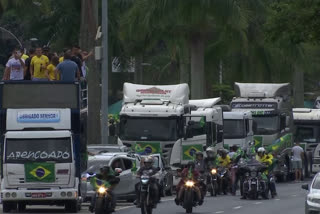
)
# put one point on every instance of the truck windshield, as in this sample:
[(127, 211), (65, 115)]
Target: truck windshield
[(41, 150), (163, 129), (233, 129), (305, 134), (266, 125)]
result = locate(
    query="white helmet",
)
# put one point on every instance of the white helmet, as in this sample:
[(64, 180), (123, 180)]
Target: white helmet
[(209, 149), (261, 150)]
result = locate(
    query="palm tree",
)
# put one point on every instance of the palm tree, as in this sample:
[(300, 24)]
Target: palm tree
[(195, 22)]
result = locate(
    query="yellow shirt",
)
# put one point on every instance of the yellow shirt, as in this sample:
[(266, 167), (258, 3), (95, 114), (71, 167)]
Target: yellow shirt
[(224, 161), (61, 59), (24, 56), (37, 62), (51, 73)]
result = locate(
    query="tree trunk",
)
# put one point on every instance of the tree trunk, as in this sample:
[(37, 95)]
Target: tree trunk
[(185, 65), (89, 22), (197, 68), (138, 79), (298, 88)]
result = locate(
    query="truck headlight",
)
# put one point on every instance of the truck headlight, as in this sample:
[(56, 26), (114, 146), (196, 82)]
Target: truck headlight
[(102, 190), (14, 195), (7, 195)]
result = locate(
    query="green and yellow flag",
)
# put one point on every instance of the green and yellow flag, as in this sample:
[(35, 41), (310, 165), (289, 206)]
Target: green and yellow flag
[(40, 172), (281, 143), (147, 148), (189, 151), (257, 141), (96, 183)]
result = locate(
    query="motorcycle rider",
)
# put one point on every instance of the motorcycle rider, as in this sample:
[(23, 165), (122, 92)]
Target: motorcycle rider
[(224, 159), (211, 160), (108, 175), (187, 172), (267, 159), (150, 170), (201, 167)]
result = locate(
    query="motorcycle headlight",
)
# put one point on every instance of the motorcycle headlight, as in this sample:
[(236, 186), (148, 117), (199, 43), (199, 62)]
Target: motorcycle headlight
[(144, 181), (102, 190), (213, 171), (189, 183)]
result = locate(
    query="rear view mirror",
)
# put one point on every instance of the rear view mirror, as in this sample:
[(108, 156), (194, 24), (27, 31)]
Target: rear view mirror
[(305, 186)]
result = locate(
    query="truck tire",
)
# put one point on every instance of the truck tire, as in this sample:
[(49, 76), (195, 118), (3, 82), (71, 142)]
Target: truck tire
[(71, 206), (7, 206)]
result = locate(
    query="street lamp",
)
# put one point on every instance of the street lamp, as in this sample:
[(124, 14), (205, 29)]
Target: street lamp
[(9, 32)]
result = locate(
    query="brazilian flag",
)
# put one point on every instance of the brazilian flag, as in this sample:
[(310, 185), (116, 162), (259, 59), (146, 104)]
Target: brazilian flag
[(189, 151), (257, 141), (96, 183), (202, 122), (40, 172), (281, 143), (147, 148)]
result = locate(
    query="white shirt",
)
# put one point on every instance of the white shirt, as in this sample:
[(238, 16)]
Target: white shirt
[(231, 154), (297, 150), (16, 69)]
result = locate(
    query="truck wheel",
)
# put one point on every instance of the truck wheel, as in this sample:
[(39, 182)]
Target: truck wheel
[(7, 206), (21, 207), (71, 206)]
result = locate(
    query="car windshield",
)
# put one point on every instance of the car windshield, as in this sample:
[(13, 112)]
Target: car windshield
[(41, 150), (99, 150), (305, 134), (233, 129), (266, 124), (163, 129), (94, 166), (316, 183)]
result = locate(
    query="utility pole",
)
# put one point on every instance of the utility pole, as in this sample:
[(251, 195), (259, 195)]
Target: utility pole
[(104, 74)]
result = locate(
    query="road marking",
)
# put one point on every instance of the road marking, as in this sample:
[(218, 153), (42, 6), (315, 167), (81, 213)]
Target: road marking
[(277, 199), (294, 195), (238, 207), (257, 203), (171, 199), (123, 208), (220, 212)]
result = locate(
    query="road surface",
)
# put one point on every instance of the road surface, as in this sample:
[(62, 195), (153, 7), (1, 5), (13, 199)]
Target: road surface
[(290, 200)]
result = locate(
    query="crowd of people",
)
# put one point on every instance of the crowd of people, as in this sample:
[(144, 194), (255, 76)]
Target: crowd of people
[(40, 64)]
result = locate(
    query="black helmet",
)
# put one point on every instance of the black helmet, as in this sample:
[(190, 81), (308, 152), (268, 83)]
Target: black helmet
[(105, 169), (199, 153)]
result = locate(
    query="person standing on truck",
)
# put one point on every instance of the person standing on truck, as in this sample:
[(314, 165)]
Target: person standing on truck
[(15, 67), (297, 157), (67, 69), (38, 66)]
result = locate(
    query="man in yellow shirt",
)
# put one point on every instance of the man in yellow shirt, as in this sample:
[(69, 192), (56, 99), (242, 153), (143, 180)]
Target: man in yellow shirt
[(224, 159), (38, 66), (50, 72)]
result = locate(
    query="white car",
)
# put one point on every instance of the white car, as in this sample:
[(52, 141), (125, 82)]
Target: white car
[(95, 149), (125, 190), (312, 204)]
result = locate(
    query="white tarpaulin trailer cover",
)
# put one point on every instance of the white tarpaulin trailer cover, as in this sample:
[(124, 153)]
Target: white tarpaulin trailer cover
[(254, 90), (205, 103), (177, 94)]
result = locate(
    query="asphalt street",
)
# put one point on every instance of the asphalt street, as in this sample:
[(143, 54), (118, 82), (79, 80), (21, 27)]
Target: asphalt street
[(290, 200)]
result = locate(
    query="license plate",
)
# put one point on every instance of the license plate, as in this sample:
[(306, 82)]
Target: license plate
[(38, 195)]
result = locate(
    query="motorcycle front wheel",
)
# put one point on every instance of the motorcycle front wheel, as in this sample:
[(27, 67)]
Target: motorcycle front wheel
[(100, 207), (188, 200), (145, 209)]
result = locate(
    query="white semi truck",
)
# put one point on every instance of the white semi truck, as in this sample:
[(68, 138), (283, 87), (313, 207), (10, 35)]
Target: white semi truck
[(237, 129), (40, 145), (204, 129), (307, 133), (151, 118), (270, 105)]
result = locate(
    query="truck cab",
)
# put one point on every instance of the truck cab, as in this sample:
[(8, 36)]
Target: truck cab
[(307, 133), (151, 118), (40, 145), (237, 129), (204, 128)]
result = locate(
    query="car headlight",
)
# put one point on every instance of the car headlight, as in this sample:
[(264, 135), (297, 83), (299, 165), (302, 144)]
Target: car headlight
[(213, 171), (313, 200), (102, 190), (189, 183)]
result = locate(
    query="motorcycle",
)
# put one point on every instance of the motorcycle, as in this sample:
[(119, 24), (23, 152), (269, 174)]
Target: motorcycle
[(212, 182), (255, 182), (103, 203), (146, 198), (223, 179), (189, 196)]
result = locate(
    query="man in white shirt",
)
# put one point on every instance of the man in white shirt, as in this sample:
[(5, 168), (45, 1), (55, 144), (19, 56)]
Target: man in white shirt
[(297, 157), (15, 67)]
